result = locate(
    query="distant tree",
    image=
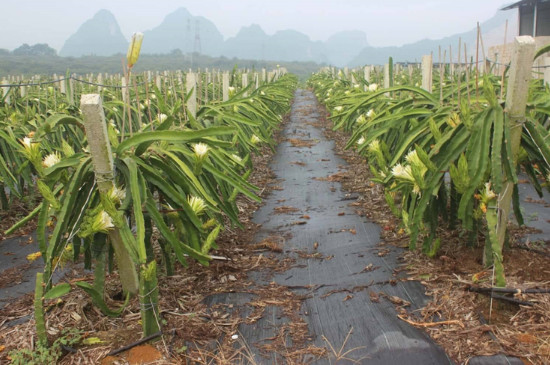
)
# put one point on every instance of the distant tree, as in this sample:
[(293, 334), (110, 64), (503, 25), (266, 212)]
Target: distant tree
[(4, 52), (39, 49)]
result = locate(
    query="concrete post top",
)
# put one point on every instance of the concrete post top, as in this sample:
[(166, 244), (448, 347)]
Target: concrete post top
[(525, 39), (90, 99)]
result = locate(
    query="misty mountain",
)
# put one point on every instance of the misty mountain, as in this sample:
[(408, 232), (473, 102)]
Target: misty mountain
[(250, 43), (286, 45), (179, 30), (344, 46), (99, 36), (492, 33), (290, 45), (182, 31)]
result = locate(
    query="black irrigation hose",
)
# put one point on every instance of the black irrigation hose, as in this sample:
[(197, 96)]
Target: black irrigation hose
[(111, 86), (508, 290), (134, 344), (511, 300), (491, 293), (527, 248)]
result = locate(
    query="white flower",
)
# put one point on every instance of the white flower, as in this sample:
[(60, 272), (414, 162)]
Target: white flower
[(254, 139), (31, 150), (236, 158), (162, 117), (356, 86), (338, 108), (347, 92), (402, 172), (374, 146), (361, 119), (370, 113), (200, 150), (51, 160), (373, 87), (27, 142), (413, 159), (361, 141), (117, 194), (197, 204), (488, 194), (103, 222)]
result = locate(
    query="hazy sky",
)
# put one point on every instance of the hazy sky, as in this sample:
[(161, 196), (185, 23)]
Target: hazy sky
[(386, 22)]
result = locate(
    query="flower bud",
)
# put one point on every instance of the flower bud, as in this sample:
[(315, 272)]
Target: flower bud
[(134, 48), (197, 204)]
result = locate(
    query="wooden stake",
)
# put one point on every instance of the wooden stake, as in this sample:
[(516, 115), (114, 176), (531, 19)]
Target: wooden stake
[(440, 76), (477, 61), (459, 71), (467, 74), (502, 67)]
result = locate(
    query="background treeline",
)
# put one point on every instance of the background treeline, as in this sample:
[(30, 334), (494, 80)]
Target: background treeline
[(37, 59)]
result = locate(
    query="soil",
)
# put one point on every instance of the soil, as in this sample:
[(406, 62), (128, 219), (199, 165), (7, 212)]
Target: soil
[(19, 209)]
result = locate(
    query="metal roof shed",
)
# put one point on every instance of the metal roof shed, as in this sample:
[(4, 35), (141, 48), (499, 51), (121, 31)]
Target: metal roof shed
[(534, 17)]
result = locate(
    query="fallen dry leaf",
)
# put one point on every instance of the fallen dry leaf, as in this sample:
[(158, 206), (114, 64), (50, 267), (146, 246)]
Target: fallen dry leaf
[(374, 297)]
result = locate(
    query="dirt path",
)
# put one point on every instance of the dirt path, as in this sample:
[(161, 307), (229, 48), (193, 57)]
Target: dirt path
[(347, 277)]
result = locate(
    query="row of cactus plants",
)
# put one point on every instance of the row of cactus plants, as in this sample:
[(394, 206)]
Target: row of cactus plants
[(168, 171), (443, 160)]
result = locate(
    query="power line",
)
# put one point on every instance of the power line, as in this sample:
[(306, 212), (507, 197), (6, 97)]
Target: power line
[(71, 78)]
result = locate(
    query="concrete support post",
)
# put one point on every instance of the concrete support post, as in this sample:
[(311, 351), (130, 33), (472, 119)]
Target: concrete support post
[(102, 159), (225, 86), (191, 86), (427, 73)]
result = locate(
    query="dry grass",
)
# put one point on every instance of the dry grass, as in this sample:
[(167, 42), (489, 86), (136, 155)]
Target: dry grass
[(296, 142)]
